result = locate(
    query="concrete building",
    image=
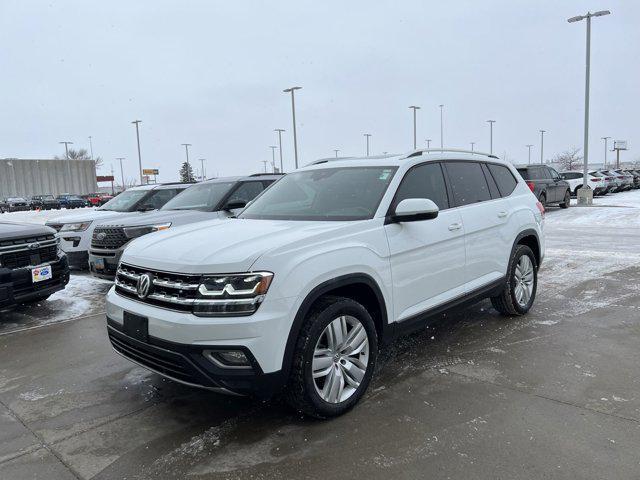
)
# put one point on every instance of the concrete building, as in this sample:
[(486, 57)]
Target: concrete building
[(23, 178)]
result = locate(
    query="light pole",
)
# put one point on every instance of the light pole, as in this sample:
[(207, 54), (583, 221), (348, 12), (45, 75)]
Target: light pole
[(414, 108), (186, 149), (265, 165), (473, 144), (441, 128), (529, 148), (336, 152), (293, 111), (91, 147), (280, 130), (367, 135), (121, 171), (137, 123), (273, 157), (606, 140), (203, 176), (542, 132), (491, 122), (586, 87), (428, 140)]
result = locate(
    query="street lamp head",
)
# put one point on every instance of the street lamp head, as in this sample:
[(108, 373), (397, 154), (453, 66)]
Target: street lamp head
[(279, 130), (137, 121), (291, 89), (491, 121), (576, 19), (602, 13), (414, 107)]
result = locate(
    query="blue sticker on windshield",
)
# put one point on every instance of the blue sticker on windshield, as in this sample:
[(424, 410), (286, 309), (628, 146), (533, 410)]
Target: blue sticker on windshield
[(385, 174)]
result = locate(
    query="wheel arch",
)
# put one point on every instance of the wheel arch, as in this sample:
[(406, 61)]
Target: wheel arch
[(531, 239), (358, 286)]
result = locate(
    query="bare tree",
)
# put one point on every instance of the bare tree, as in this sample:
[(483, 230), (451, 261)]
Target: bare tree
[(569, 159), (81, 154)]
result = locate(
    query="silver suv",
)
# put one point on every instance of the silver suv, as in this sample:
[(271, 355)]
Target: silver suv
[(210, 200)]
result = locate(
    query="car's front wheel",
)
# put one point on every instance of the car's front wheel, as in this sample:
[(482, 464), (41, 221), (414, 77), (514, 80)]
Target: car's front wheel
[(519, 292), (334, 358), (567, 200)]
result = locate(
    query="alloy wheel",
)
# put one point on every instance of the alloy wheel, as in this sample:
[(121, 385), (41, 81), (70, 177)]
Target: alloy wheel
[(524, 279), (340, 359)]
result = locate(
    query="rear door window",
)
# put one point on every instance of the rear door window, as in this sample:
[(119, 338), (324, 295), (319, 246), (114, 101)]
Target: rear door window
[(493, 188), (504, 179), (467, 182)]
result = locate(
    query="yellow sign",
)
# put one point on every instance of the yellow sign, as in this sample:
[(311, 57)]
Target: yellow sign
[(150, 171)]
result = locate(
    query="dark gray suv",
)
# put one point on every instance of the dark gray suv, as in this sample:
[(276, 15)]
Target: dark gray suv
[(546, 184)]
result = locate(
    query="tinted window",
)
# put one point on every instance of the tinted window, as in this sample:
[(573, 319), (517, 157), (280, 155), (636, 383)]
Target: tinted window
[(553, 173), (203, 196), (246, 192), (493, 188), (504, 178), (467, 182), (342, 193), (424, 181)]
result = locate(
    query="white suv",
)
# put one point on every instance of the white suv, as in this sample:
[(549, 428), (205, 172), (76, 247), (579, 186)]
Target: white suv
[(332, 261)]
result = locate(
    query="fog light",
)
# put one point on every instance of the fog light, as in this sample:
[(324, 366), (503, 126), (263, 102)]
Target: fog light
[(228, 358)]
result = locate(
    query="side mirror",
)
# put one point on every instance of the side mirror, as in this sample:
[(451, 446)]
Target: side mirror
[(414, 210), (235, 205)]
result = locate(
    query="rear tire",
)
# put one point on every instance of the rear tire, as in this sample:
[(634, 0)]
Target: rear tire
[(543, 200), (519, 292), (567, 200), (324, 357)]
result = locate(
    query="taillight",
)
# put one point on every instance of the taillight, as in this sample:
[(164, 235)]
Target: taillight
[(531, 186), (621, 178), (595, 179), (540, 208)]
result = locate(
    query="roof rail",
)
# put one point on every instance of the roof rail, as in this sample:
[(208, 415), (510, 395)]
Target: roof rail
[(420, 151), (333, 159), (263, 174)]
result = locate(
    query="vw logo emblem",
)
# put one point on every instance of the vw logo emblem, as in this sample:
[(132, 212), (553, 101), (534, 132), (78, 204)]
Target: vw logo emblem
[(144, 285), (101, 236), (34, 246)]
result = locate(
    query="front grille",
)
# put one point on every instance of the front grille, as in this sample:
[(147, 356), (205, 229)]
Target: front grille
[(108, 238), (169, 290), (157, 359), (31, 251)]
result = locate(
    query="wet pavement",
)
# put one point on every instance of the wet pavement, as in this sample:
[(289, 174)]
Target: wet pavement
[(554, 394)]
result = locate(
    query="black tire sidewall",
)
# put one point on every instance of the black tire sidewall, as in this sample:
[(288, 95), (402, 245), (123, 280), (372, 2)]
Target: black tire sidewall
[(320, 321), (517, 254)]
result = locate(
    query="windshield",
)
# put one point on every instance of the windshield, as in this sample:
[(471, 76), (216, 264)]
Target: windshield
[(204, 197), (16, 199), (125, 201), (347, 193)]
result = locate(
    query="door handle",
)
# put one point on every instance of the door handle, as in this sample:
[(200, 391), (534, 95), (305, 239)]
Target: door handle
[(502, 214), (455, 226)]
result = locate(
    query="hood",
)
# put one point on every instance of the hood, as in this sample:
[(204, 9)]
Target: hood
[(174, 217), (90, 215), (10, 230), (222, 246)]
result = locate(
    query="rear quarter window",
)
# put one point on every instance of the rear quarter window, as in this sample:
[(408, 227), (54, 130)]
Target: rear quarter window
[(504, 179)]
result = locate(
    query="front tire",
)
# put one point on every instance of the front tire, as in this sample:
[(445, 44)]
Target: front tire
[(567, 199), (334, 358), (519, 293)]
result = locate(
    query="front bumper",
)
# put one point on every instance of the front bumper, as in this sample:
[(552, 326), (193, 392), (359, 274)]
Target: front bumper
[(78, 260), (176, 342), (17, 287)]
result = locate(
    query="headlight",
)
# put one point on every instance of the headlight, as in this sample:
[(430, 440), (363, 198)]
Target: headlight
[(75, 227), (135, 232), (236, 294)]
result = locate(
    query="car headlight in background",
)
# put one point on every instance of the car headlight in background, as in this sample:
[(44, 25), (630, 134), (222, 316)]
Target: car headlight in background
[(135, 232), (235, 294), (75, 227)]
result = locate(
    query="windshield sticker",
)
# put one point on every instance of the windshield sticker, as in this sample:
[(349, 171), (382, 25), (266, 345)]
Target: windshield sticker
[(385, 174)]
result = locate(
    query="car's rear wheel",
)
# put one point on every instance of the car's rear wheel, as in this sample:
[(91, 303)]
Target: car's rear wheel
[(543, 200), (519, 292), (567, 200), (334, 358)]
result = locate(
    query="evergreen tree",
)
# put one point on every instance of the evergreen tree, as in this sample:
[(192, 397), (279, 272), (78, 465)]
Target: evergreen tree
[(186, 173)]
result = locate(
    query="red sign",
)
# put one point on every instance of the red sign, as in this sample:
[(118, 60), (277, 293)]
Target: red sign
[(104, 178)]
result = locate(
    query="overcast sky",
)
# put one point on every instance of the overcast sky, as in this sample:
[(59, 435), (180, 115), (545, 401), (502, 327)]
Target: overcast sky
[(211, 74)]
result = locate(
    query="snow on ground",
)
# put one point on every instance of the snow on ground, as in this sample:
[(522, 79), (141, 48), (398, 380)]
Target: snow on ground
[(40, 217)]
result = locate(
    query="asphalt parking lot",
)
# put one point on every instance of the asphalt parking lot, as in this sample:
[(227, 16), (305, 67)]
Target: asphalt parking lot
[(554, 394)]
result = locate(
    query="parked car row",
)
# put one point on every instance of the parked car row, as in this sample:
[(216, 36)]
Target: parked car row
[(603, 181), (50, 202)]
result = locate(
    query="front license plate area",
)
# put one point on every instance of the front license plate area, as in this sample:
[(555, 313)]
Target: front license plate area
[(98, 263), (41, 273), (135, 326)]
